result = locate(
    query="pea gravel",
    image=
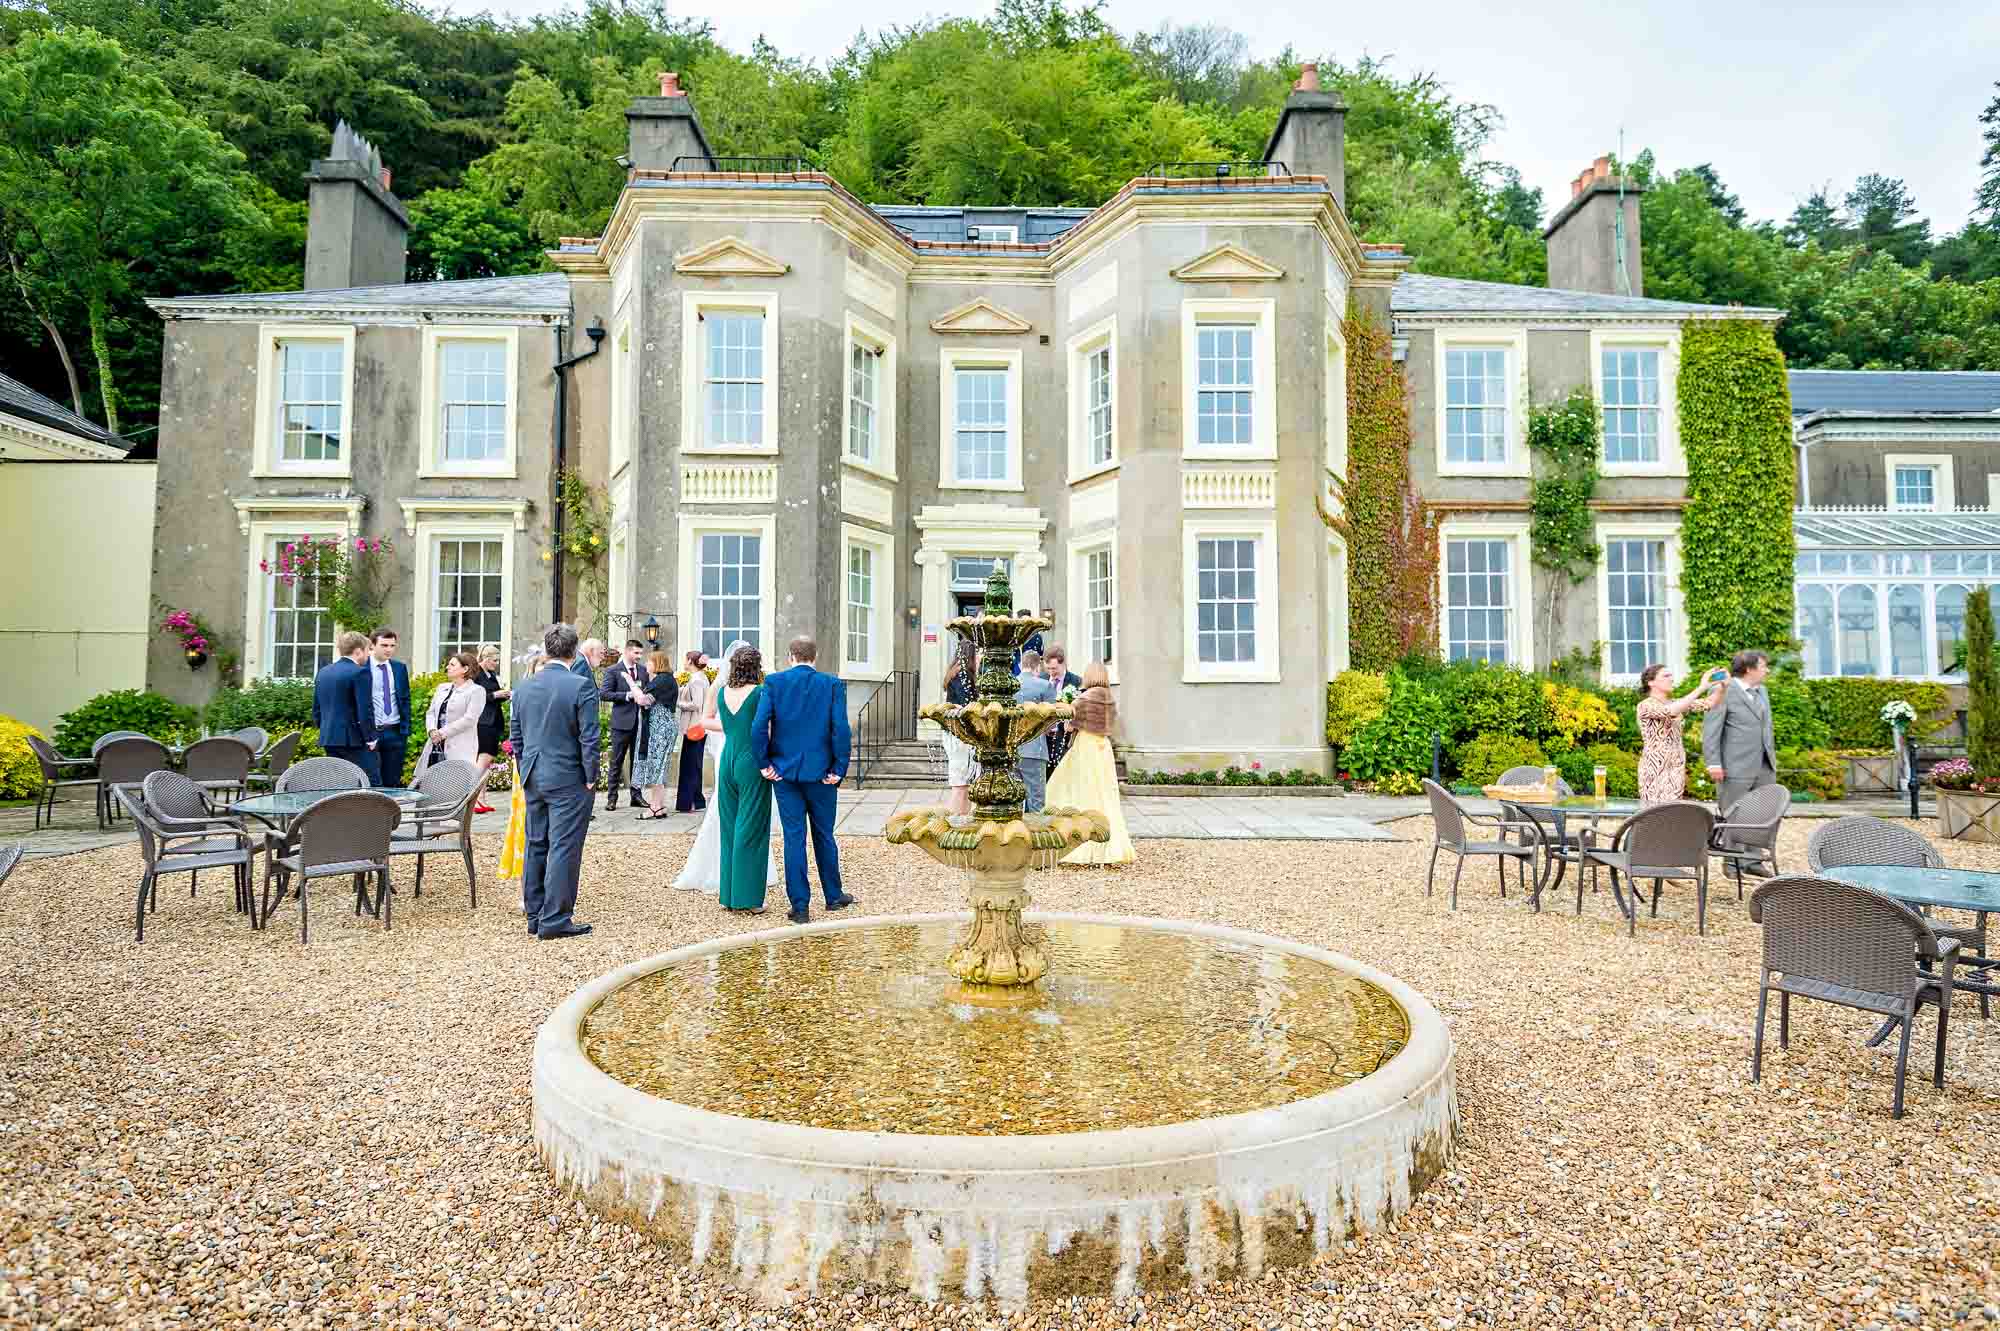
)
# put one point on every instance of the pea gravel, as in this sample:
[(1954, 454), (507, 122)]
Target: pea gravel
[(220, 1128)]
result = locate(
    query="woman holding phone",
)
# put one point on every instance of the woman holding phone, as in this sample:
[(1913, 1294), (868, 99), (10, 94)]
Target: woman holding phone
[(1663, 760)]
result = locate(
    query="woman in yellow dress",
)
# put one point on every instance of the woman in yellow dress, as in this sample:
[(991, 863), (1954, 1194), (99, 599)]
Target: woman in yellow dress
[(1087, 777), (515, 844)]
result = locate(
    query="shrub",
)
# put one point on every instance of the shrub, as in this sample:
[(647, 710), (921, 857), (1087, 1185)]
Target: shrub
[(1353, 699), (1400, 783), (20, 774), (1795, 722), (1816, 771), (1982, 684), (1621, 776), (122, 709), (1486, 699), (1577, 715), (1399, 740), (279, 706), (421, 689), (1852, 709), (1482, 761)]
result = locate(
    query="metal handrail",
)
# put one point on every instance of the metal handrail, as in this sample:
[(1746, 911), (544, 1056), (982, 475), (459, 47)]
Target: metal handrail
[(888, 716), (1224, 170), (748, 166)]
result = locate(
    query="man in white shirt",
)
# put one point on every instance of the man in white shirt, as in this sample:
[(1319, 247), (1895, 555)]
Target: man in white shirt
[(389, 690)]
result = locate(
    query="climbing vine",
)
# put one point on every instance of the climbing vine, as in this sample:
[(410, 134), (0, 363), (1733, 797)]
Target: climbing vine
[(1391, 539), (1736, 534), (1564, 436), (586, 541)]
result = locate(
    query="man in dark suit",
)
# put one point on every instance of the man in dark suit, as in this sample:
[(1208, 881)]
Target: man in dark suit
[(585, 664), (342, 712), (801, 741), (389, 695), (554, 729), (628, 720)]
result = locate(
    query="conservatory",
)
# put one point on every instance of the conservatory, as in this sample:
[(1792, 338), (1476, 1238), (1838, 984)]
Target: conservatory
[(1883, 593)]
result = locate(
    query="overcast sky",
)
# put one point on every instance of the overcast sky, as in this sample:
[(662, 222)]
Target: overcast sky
[(1783, 98)]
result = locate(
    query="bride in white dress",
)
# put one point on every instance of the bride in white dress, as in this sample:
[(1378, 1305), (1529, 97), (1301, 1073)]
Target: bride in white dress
[(703, 870)]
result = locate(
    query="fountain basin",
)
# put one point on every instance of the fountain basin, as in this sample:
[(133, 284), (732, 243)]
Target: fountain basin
[(788, 1208)]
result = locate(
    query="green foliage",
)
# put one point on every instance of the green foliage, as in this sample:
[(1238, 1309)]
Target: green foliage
[(1982, 685), (278, 706), (1391, 542), (1562, 532), (20, 771), (465, 233), (1485, 758), (422, 689), (1353, 699), (1576, 715), (1484, 698), (1400, 783), (1852, 709), (122, 709), (1399, 740), (1228, 776), (1736, 532), (1621, 775), (1795, 722), (1818, 772)]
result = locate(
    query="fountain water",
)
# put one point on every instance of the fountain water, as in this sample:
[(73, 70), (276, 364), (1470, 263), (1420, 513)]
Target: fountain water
[(1069, 1104)]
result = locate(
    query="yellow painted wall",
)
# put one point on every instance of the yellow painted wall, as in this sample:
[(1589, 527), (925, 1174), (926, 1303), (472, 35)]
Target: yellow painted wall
[(76, 572)]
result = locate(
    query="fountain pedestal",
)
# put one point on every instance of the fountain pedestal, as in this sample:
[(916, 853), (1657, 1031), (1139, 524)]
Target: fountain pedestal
[(995, 949)]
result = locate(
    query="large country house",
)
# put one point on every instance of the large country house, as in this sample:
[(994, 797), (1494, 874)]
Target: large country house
[(813, 416)]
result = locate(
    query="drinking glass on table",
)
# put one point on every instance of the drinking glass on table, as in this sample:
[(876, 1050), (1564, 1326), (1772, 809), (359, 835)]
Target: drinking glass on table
[(1599, 778)]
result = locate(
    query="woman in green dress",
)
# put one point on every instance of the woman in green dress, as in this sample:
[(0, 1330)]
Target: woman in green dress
[(743, 796)]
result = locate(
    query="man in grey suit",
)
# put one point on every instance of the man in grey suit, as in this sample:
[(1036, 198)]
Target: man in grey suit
[(1736, 737), (1034, 765), (554, 729)]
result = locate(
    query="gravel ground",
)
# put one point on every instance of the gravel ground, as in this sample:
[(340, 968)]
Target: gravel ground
[(222, 1128)]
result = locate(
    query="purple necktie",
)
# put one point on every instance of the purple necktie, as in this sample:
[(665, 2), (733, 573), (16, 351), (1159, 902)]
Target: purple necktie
[(388, 703)]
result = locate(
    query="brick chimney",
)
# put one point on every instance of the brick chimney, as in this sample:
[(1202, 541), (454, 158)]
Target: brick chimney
[(662, 130), (357, 234), (1583, 237), (1311, 134)]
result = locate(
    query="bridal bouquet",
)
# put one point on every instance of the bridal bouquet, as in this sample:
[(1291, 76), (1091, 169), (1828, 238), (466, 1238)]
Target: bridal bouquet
[(1896, 712), (1069, 693)]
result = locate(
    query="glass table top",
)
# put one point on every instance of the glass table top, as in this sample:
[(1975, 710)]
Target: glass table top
[(286, 804), (1953, 889)]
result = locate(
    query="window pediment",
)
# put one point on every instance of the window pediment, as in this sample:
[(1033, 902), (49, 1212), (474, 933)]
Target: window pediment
[(1228, 262), (980, 316), (729, 257)]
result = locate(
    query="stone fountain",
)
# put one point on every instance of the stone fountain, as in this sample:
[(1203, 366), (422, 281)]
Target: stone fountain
[(999, 841)]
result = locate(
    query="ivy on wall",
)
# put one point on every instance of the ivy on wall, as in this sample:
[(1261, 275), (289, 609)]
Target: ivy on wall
[(1391, 540), (1561, 534), (1736, 533)]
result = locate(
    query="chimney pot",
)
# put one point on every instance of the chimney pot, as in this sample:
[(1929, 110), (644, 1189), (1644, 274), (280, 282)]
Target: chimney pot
[(670, 84), (1308, 77), (387, 176), (1600, 168)]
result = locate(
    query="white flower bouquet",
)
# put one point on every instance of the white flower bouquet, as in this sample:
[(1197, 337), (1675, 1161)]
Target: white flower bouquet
[(1897, 712)]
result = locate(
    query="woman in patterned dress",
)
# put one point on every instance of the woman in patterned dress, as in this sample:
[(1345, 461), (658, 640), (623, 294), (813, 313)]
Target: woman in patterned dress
[(1663, 761)]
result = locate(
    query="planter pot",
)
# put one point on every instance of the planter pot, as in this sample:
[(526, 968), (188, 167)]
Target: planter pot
[(1969, 817), (196, 660), (1871, 776), (1210, 792)]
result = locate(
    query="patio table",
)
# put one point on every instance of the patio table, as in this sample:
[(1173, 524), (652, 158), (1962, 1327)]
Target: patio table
[(279, 808), (1557, 815), (1927, 889)]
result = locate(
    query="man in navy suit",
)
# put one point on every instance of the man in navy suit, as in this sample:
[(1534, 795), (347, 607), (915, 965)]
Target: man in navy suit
[(389, 698), (553, 724), (342, 712), (800, 738)]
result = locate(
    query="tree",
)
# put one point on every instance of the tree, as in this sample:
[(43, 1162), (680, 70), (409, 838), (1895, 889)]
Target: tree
[(1197, 62), (1884, 214), (1982, 686), (560, 167), (1987, 201), (99, 168), (1725, 203), (463, 233), (1818, 221)]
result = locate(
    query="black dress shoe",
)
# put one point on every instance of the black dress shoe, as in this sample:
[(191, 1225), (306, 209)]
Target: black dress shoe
[(798, 917), (611, 805), (533, 932), (567, 931), (840, 902)]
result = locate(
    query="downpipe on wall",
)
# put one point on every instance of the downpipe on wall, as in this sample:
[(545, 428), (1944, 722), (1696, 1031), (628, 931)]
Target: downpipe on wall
[(562, 366)]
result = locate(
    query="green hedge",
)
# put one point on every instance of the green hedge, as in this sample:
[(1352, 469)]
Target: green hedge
[(1399, 740), (1621, 776), (1483, 760), (278, 706), (123, 709), (1815, 771), (1852, 709), (1353, 699)]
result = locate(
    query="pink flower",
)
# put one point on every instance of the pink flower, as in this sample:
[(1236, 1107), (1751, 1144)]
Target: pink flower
[(264, 564), (361, 544), (507, 747), (1256, 767)]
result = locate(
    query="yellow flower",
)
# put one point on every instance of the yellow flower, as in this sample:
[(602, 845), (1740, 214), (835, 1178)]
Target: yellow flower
[(682, 677), (547, 557), (597, 540)]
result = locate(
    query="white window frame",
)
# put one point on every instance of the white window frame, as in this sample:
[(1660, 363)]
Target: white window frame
[(1945, 486), (1262, 313), (1082, 646), (1100, 336), (1521, 626), (694, 360), (621, 396), (1513, 341), (694, 526), (1672, 460), (423, 633), (1339, 650), (267, 449), (1263, 670), (882, 620), (432, 461), (860, 332), (257, 601), (1336, 399), (1676, 643), (950, 362), (987, 234)]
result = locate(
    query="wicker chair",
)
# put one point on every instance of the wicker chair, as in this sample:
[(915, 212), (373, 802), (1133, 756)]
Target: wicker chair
[(171, 844), (276, 760), (110, 735), (443, 822), (256, 737), (1533, 776), (1746, 840), (344, 835), (220, 763), (322, 773), (1862, 840), (126, 762), (53, 780), (1844, 944), (1454, 822), (10, 859), (1666, 841)]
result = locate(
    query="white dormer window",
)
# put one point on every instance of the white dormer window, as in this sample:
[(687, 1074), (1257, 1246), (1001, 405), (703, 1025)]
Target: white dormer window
[(994, 235), (1920, 482)]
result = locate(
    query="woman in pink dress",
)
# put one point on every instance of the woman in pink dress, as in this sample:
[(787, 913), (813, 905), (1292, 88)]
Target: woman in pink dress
[(1663, 760)]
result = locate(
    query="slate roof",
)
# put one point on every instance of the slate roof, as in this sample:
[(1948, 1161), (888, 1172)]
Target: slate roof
[(17, 399), (947, 225), (1894, 391), (537, 293), (1420, 293)]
